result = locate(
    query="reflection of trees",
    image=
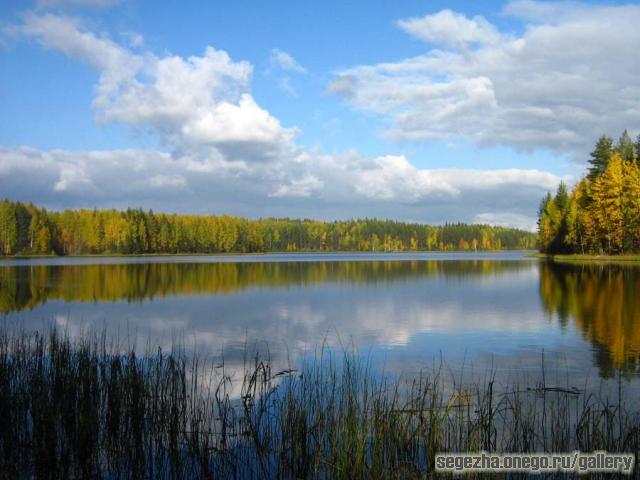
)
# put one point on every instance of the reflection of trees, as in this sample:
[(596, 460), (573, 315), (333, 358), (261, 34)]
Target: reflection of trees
[(28, 286), (604, 301)]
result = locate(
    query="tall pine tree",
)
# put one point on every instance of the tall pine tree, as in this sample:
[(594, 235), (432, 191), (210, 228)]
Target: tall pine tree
[(625, 147), (600, 156)]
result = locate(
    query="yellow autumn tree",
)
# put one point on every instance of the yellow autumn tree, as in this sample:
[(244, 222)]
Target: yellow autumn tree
[(581, 232), (631, 206), (607, 205), (602, 212)]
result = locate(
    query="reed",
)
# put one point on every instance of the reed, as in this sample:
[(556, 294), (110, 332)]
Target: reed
[(83, 408)]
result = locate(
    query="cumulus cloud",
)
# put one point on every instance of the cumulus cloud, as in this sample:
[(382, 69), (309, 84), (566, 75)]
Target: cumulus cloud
[(451, 29), (192, 102), (569, 77), (223, 152)]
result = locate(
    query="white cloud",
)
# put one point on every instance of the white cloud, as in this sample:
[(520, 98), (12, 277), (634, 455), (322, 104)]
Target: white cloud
[(334, 186), (285, 61), (229, 122), (393, 177), (451, 29), (168, 181), (187, 102), (303, 187), (225, 153), (64, 34), (523, 222), (568, 78), (73, 176)]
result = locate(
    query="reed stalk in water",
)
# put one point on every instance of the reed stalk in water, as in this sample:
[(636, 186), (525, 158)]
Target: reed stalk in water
[(82, 408)]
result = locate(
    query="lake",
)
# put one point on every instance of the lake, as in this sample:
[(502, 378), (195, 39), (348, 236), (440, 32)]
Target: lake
[(503, 312)]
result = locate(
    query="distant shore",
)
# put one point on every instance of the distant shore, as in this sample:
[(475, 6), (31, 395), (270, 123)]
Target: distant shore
[(116, 255), (254, 254)]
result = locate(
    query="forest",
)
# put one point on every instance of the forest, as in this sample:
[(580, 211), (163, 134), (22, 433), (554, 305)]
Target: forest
[(601, 213), (26, 229)]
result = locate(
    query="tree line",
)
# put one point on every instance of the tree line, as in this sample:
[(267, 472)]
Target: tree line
[(601, 214), (28, 229)]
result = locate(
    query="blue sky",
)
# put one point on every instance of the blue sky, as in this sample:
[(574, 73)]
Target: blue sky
[(414, 110)]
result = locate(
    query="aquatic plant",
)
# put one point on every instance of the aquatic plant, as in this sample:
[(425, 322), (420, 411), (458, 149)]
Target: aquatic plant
[(87, 407)]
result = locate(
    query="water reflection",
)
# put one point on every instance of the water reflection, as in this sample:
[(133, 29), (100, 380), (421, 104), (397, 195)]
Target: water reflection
[(24, 287), (403, 313), (604, 303)]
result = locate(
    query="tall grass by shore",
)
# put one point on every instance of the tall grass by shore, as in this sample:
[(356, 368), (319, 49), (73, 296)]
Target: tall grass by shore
[(84, 409)]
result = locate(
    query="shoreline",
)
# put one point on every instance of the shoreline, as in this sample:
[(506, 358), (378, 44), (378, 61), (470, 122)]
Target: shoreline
[(580, 257), (256, 254)]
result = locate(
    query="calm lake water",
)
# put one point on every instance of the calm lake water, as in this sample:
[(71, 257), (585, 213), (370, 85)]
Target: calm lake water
[(474, 312)]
